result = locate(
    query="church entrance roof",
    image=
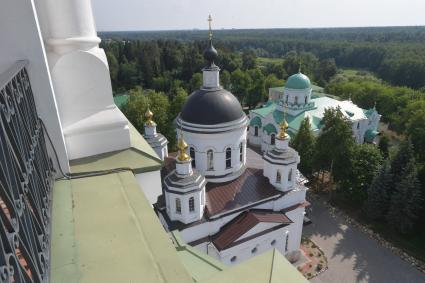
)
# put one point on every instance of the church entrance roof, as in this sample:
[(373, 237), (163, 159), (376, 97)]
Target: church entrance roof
[(229, 234)]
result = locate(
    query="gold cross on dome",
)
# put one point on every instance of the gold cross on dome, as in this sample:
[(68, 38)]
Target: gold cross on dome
[(209, 23)]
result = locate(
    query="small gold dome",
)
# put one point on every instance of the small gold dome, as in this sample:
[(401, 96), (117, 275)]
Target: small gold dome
[(182, 146), (148, 116), (283, 127)]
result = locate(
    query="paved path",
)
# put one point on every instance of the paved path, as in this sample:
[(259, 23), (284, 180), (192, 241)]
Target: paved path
[(353, 256)]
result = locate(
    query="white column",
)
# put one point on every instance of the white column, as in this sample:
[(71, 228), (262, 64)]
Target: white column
[(91, 122)]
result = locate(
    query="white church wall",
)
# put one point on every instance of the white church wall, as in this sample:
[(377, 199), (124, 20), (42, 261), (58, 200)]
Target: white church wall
[(211, 227), (295, 229), (208, 228), (271, 170), (293, 197), (265, 140), (185, 216), (261, 244), (217, 143), (253, 139), (150, 184)]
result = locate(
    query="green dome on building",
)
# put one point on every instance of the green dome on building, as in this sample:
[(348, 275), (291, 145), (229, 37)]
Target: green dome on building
[(298, 81)]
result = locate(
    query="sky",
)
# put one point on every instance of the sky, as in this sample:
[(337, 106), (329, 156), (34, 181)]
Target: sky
[(120, 15)]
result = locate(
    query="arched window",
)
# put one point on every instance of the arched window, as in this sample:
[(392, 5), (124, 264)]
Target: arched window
[(191, 204), (228, 157), (233, 259), (256, 131), (254, 250), (273, 243), (272, 139), (305, 100), (278, 177), (286, 99), (192, 155), (290, 175), (241, 152), (358, 125), (296, 100), (210, 160), (178, 206)]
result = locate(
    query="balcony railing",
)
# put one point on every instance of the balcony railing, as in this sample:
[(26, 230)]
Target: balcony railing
[(26, 181)]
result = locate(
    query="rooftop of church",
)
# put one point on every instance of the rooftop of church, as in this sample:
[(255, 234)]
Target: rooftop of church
[(119, 234), (246, 191), (321, 100), (298, 81)]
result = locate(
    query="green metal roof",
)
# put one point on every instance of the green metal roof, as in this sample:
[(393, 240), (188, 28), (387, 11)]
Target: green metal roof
[(294, 122), (256, 121), (368, 112), (121, 100), (140, 157), (370, 135), (105, 230), (268, 267), (269, 129), (200, 265), (265, 110), (298, 81)]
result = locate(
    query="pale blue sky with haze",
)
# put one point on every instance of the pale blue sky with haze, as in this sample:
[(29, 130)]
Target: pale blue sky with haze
[(113, 15)]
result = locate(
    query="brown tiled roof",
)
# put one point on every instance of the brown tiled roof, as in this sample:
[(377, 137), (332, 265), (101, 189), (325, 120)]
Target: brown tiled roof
[(245, 222), (250, 187), (169, 165)]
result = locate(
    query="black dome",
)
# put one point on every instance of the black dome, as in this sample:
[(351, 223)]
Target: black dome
[(210, 107), (210, 53)]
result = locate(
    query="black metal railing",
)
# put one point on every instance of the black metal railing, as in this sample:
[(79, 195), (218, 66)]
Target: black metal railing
[(26, 181)]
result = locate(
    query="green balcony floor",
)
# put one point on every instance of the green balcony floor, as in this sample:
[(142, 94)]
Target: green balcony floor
[(104, 230)]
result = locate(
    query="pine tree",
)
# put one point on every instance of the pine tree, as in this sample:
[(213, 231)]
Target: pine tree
[(406, 200), (304, 142), (404, 155), (378, 199), (365, 162), (384, 145)]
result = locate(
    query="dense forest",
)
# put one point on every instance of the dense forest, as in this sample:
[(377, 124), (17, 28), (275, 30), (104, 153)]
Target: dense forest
[(384, 184), (395, 54)]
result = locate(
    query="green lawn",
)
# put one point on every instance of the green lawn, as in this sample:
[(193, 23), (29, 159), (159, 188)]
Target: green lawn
[(263, 61), (357, 74)]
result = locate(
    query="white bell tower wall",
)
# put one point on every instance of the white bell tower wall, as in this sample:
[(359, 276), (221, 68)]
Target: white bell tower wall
[(91, 122)]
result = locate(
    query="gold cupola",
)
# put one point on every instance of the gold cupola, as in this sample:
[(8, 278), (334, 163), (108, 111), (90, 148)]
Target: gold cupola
[(283, 126), (182, 146), (148, 115)]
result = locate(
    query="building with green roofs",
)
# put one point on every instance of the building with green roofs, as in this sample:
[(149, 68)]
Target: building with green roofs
[(300, 100)]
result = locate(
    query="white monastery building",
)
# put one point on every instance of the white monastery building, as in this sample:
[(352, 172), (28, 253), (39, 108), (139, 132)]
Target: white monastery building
[(220, 202), (303, 100)]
